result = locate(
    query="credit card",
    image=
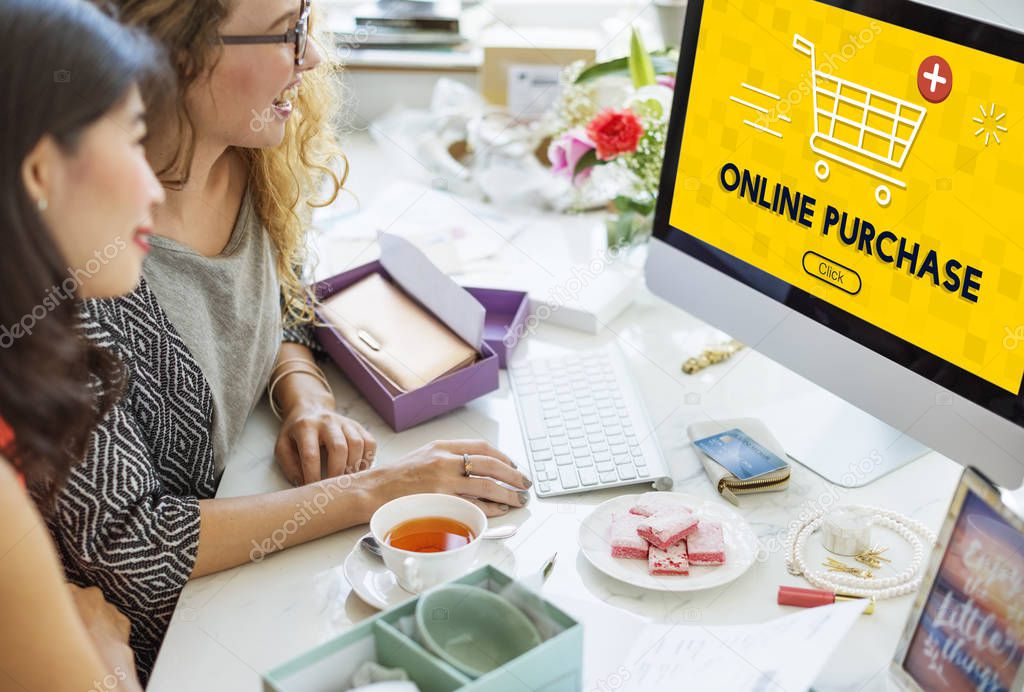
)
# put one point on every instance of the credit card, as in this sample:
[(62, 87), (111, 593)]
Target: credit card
[(745, 457)]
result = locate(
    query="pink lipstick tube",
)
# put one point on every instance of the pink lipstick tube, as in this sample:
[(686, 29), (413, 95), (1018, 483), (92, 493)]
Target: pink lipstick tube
[(811, 598)]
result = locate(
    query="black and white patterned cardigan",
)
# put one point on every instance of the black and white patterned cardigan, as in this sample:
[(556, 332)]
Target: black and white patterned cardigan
[(127, 520)]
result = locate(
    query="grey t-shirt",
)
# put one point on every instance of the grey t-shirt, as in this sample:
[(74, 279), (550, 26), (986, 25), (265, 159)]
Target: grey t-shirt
[(227, 309)]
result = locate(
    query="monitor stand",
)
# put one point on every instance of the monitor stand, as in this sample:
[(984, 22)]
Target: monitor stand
[(838, 441)]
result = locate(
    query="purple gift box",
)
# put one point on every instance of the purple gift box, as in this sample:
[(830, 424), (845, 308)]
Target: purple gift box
[(505, 314), (506, 318)]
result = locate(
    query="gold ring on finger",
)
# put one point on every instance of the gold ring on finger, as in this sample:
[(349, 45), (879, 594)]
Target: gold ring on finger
[(467, 466)]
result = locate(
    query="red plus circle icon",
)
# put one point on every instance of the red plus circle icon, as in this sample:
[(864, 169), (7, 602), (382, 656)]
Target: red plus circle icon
[(935, 79)]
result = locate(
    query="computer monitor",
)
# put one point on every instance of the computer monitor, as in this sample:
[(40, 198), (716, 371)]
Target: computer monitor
[(843, 191)]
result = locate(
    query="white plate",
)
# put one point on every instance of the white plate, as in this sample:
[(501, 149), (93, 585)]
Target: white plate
[(740, 547), (376, 584)]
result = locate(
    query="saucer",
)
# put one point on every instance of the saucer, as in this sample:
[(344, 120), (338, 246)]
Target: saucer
[(378, 587)]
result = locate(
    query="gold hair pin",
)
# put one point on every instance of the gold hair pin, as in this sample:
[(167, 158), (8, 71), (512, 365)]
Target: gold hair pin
[(837, 566), (872, 558)]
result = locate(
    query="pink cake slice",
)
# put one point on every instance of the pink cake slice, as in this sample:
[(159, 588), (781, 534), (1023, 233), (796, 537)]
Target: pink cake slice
[(671, 561), (624, 539), (652, 503), (706, 545), (668, 527)]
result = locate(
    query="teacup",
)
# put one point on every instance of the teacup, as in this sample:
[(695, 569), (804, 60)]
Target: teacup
[(417, 571)]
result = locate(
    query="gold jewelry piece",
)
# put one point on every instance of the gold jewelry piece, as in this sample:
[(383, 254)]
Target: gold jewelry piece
[(837, 566), (286, 361), (318, 374), (467, 466), (872, 558), (712, 356)]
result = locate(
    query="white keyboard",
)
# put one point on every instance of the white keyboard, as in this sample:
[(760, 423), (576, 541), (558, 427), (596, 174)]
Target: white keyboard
[(584, 425)]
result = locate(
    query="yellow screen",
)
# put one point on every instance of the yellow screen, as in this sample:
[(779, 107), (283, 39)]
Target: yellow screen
[(877, 168)]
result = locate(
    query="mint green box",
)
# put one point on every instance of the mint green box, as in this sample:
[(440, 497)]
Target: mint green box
[(554, 666)]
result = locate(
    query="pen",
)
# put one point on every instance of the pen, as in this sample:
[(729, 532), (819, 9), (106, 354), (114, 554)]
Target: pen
[(809, 598)]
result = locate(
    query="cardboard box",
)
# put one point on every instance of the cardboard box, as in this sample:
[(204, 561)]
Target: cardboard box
[(519, 66)]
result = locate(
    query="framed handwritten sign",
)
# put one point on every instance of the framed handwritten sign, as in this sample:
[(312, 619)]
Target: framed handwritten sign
[(966, 630)]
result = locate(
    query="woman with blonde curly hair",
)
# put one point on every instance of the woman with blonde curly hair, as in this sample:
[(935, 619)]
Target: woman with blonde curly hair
[(242, 156)]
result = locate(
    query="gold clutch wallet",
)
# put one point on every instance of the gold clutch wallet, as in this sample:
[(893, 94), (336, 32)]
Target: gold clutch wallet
[(725, 482), (406, 345)]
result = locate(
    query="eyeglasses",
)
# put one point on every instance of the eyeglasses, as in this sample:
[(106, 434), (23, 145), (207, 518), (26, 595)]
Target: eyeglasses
[(298, 35)]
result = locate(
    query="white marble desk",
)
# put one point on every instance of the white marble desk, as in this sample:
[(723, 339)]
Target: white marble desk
[(230, 627)]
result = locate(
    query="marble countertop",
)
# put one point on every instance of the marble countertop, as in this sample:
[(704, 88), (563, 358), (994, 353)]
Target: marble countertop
[(231, 627)]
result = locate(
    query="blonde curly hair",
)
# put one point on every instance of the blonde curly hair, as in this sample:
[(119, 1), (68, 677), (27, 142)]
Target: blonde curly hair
[(285, 181)]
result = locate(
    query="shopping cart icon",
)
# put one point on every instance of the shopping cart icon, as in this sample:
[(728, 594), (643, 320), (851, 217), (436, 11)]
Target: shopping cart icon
[(860, 127)]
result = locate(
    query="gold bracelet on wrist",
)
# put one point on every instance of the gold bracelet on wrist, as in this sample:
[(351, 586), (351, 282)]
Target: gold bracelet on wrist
[(316, 373)]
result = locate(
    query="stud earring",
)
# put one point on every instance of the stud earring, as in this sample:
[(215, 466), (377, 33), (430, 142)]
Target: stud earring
[(42, 204)]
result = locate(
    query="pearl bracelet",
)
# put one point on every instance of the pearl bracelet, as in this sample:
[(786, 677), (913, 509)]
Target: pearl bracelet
[(907, 581)]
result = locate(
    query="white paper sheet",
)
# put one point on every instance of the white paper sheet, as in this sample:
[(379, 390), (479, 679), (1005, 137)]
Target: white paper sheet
[(782, 655)]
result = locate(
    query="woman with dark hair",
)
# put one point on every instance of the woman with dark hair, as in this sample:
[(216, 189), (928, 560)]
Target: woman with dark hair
[(76, 198)]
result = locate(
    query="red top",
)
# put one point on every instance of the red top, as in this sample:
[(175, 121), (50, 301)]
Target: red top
[(6, 437)]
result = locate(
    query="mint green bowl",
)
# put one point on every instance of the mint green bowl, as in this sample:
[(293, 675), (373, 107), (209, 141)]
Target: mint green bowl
[(473, 629)]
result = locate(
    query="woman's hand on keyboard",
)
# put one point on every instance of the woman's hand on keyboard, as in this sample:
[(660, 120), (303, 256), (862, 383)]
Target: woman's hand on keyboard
[(440, 467)]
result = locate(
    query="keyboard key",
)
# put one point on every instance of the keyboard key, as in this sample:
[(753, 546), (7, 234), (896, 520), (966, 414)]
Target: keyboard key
[(542, 455), (605, 466), (588, 476), (560, 450), (564, 460), (608, 476), (544, 487), (532, 418), (582, 462), (621, 459), (539, 445), (567, 477), (643, 472), (602, 456), (619, 449), (627, 473)]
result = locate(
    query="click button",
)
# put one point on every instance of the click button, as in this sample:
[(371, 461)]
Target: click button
[(831, 272)]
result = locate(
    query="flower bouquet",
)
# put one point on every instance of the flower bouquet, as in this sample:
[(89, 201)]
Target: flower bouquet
[(613, 116)]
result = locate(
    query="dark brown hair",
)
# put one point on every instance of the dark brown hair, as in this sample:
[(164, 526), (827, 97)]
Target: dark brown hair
[(66, 64)]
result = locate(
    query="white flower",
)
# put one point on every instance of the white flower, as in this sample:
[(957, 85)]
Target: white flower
[(653, 101)]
